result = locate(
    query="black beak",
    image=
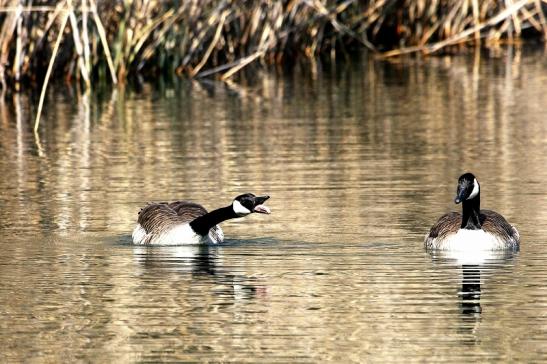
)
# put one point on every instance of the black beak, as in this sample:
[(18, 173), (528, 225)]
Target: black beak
[(259, 207), (460, 194), (259, 200)]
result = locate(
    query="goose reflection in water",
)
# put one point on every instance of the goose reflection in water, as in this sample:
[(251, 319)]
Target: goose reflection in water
[(471, 290), (475, 269), (204, 264)]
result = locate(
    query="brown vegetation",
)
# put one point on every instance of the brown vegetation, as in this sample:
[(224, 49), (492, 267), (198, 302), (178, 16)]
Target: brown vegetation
[(90, 39), (83, 39)]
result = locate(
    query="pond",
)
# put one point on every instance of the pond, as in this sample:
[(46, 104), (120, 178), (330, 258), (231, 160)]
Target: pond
[(359, 158)]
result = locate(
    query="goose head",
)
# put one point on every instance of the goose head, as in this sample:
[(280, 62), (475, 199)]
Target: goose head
[(248, 203), (468, 188)]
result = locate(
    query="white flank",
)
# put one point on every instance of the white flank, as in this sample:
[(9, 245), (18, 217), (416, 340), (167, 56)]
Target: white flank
[(471, 247), (240, 209), (179, 235), (471, 241), (216, 235), (475, 191), (139, 235)]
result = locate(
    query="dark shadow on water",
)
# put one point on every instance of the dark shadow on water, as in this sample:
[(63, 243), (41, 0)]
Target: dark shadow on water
[(205, 264), (195, 260), (470, 293), (250, 242), (475, 270), (126, 240)]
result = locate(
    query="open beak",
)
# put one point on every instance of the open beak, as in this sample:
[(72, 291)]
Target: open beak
[(259, 207)]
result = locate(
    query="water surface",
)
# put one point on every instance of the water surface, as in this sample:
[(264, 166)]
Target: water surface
[(360, 160)]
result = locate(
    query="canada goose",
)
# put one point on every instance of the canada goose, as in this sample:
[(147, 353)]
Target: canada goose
[(475, 229), (183, 222)]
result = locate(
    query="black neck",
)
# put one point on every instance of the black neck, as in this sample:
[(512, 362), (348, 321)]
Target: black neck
[(471, 213), (202, 224)]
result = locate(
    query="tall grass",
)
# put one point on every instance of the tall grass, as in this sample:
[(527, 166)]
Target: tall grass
[(86, 40), (204, 37)]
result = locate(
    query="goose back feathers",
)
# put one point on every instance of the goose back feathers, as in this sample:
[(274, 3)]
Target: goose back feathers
[(158, 219)]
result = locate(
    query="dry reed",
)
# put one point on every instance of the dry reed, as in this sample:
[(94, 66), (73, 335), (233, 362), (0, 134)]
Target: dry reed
[(201, 38)]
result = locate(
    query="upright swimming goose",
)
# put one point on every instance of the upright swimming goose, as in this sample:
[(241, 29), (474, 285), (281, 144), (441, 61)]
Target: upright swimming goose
[(183, 222), (474, 229)]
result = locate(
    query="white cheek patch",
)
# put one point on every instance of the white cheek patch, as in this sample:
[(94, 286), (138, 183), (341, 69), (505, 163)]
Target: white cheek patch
[(475, 191), (240, 209)]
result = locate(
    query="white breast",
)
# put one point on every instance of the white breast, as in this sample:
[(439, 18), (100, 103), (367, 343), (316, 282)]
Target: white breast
[(471, 247), (470, 240), (178, 235)]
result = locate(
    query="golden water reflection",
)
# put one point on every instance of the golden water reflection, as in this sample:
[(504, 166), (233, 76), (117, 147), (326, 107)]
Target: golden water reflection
[(359, 162)]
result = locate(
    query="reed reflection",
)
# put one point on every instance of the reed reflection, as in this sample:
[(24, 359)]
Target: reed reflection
[(355, 159), (334, 133)]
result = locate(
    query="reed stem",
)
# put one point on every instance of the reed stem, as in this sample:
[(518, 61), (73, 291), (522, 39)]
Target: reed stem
[(221, 37), (50, 67)]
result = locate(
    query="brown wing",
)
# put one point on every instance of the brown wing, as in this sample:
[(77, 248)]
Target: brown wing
[(157, 217), (447, 224), (187, 211), (491, 222), (494, 223)]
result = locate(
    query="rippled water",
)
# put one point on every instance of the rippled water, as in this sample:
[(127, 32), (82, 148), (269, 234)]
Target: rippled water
[(360, 160)]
